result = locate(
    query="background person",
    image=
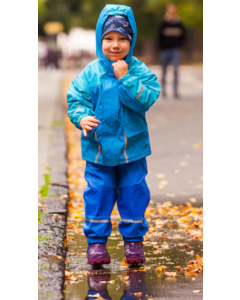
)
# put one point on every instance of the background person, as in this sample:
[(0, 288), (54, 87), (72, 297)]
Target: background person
[(171, 35)]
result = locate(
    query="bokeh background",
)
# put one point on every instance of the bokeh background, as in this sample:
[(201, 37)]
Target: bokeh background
[(66, 43)]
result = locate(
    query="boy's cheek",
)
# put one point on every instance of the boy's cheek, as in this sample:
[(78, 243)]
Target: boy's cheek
[(107, 56)]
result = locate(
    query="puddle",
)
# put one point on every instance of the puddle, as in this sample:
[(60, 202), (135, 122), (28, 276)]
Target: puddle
[(168, 247)]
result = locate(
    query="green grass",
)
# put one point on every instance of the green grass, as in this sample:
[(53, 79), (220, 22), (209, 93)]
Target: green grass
[(39, 217), (57, 123), (46, 295), (46, 268), (40, 238), (44, 189)]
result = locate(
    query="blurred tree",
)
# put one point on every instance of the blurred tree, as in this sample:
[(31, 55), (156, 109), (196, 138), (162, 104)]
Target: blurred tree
[(42, 10), (148, 13)]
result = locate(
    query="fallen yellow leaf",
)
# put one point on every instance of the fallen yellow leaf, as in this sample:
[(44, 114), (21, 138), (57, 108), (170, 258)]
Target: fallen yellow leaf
[(193, 200), (59, 257), (67, 274), (161, 268), (125, 278), (124, 262), (160, 176), (171, 195), (190, 273), (196, 146), (152, 228), (171, 274), (98, 296)]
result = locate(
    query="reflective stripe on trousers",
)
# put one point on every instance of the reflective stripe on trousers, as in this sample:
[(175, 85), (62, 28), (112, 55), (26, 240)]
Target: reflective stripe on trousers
[(125, 184)]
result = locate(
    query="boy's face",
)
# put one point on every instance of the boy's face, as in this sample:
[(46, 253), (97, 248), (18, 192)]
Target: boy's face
[(115, 46)]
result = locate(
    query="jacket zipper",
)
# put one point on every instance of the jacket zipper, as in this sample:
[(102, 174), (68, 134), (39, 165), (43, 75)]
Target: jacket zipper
[(99, 147)]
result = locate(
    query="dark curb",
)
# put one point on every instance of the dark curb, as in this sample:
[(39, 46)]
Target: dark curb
[(52, 226)]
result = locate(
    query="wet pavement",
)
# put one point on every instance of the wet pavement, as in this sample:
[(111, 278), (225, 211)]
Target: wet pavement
[(50, 119), (173, 241), (53, 188), (176, 131)]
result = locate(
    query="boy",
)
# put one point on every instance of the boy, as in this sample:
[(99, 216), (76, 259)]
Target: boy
[(108, 101)]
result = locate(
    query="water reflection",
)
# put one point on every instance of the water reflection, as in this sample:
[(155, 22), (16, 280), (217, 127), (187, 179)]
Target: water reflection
[(134, 285), (97, 283)]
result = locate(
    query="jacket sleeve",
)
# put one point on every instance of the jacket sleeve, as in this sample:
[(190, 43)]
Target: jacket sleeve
[(139, 92), (79, 100)]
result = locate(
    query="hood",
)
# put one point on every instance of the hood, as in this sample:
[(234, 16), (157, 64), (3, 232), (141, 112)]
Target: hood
[(111, 10)]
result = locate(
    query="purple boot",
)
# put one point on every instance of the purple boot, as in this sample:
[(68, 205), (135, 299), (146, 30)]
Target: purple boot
[(98, 254), (134, 252)]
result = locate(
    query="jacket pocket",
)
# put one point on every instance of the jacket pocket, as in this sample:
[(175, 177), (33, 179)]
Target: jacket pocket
[(135, 128), (91, 133)]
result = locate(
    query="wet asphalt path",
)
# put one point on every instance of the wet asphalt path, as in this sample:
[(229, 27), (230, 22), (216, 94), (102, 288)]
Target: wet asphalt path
[(176, 131), (49, 97)]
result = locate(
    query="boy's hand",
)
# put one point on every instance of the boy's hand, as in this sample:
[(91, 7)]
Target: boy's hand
[(87, 123), (120, 68)]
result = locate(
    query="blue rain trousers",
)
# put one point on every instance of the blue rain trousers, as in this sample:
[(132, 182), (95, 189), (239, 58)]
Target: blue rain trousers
[(125, 184)]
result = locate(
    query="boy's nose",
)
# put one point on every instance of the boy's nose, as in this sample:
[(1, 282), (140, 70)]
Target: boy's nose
[(115, 45)]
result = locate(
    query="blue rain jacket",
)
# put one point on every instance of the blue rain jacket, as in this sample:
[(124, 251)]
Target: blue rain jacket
[(120, 104)]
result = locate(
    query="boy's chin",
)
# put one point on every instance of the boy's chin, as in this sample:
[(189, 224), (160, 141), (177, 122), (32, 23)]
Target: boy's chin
[(117, 58)]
